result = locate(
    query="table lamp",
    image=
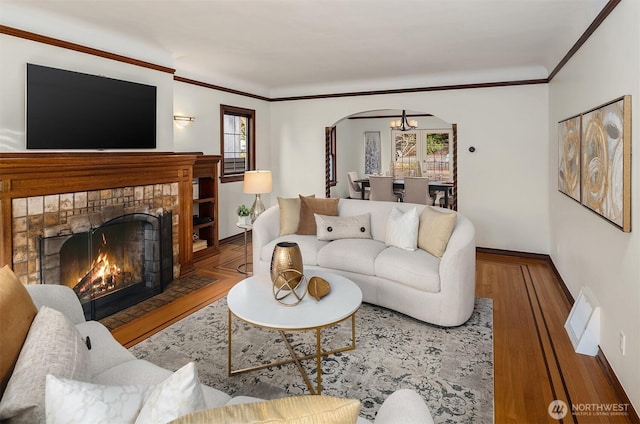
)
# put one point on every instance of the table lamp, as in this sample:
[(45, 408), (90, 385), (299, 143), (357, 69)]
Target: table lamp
[(257, 182)]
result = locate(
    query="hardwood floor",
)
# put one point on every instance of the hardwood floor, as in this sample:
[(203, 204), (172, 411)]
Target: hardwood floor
[(534, 362)]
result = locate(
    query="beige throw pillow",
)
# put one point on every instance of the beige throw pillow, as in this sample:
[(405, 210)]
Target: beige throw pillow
[(289, 214), (16, 314), (291, 410), (435, 230), (309, 207)]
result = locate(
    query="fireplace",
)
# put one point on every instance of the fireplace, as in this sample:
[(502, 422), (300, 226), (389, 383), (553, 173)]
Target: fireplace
[(113, 266)]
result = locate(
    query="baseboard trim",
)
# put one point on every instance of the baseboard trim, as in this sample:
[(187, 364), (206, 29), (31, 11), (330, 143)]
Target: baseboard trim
[(600, 357), (617, 386)]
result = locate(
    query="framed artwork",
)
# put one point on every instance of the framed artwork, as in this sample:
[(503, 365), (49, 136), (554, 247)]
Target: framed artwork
[(606, 161), (569, 157), (372, 159)]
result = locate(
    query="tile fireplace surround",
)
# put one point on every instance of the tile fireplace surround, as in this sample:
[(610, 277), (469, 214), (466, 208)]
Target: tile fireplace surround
[(61, 190)]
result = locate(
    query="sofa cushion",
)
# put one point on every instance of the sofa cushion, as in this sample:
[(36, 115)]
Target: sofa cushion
[(353, 255), (435, 230), (70, 401), (53, 346), (291, 410), (417, 269), (16, 314), (339, 227), (310, 206), (402, 229), (139, 371), (309, 247), (289, 214)]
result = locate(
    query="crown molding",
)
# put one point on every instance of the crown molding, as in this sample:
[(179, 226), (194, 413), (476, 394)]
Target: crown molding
[(606, 11)]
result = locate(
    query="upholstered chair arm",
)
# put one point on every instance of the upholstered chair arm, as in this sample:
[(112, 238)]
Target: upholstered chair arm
[(58, 297)]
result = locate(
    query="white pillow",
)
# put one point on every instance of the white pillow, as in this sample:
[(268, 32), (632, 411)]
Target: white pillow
[(180, 394), (69, 401), (402, 229), (341, 227)]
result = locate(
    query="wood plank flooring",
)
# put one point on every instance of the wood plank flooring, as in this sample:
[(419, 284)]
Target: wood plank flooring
[(534, 362)]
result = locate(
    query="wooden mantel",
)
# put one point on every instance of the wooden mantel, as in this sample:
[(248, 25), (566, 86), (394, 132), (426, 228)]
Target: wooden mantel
[(40, 174)]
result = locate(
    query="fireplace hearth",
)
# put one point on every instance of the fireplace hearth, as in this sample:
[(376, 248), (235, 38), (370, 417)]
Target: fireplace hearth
[(113, 266)]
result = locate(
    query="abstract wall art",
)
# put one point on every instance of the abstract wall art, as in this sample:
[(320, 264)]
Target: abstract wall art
[(569, 157), (372, 159), (606, 161)]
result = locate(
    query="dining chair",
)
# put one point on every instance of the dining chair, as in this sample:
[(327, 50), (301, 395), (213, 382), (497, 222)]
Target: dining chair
[(355, 190), (382, 189), (416, 190)]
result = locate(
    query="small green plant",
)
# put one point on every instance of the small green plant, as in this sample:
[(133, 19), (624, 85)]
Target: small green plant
[(243, 211)]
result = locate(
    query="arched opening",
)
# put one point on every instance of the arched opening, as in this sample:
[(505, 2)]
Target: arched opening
[(365, 142)]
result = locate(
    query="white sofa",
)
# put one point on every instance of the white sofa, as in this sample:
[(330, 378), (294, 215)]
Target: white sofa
[(109, 363), (436, 290)]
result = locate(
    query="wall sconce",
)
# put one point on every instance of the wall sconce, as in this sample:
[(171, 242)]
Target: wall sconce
[(183, 121)]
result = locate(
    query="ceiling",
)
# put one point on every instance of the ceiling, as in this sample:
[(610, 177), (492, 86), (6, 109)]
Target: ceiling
[(279, 48)]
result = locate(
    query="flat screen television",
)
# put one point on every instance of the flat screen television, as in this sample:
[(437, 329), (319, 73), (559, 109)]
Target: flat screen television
[(72, 110)]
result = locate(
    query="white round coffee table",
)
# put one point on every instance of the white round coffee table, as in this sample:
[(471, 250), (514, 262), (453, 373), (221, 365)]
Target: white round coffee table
[(252, 301)]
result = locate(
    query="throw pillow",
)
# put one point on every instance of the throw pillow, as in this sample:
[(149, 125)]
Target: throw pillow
[(53, 346), (180, 394), (289, 214), (311, 206), (291, 410), (435, 230), (340, 227), (402, 229), (70, 402), (16, 314)]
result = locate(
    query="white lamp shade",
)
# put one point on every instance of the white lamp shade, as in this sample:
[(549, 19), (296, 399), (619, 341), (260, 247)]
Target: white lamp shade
[(257, 182)]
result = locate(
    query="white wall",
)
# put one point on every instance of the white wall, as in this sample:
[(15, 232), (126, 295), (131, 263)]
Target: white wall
[(203, 135), (502, 186), (15, 53), (587, 250)]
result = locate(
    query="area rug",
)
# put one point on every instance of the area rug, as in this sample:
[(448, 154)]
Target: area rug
[(451, 368)]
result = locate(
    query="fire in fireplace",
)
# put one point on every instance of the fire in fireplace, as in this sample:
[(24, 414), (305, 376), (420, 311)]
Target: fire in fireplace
[(118, 264)]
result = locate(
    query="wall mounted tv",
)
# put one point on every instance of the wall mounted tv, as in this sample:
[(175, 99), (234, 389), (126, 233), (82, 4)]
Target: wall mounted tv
[(72, 110)]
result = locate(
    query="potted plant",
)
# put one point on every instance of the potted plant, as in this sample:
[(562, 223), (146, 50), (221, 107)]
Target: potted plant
[(243, 215)]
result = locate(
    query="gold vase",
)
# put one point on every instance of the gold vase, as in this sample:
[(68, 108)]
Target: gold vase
[(286, 266)]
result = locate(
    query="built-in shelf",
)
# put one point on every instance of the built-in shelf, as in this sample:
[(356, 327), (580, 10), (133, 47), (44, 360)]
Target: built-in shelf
[(205, 206)]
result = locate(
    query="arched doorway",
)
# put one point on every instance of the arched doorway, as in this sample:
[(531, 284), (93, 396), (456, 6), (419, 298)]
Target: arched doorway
[(350, 145)]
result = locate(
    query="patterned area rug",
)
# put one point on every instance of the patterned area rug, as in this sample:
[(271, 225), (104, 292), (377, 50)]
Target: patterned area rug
[(452, 368)]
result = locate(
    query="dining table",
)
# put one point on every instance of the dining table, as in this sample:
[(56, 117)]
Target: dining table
[(398, 184)]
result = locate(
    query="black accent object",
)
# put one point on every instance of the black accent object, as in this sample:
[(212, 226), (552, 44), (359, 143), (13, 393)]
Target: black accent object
[(362, 229), (72, 110), (472, 149), (88, 341), (329, 229), (197, 220)]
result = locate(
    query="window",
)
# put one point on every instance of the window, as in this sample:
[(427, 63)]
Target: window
[(430, 157), (237, 142)]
